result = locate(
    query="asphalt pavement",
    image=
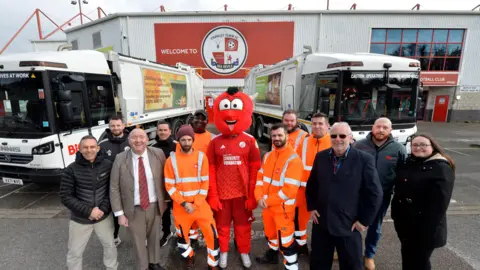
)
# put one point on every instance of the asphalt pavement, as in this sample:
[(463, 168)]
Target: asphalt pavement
[(34, 225)]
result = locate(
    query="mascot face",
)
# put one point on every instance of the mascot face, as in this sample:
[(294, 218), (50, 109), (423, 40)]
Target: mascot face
[(233, 112)]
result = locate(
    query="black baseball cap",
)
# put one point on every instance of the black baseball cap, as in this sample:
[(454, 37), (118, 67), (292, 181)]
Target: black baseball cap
[(201, 112)]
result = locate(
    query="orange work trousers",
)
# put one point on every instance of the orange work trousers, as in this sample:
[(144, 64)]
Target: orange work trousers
[(203, 216), (280, 229)]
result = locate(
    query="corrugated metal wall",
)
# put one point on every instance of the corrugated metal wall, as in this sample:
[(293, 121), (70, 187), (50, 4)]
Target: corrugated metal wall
[(110, 34), (351, 33), (326, 32)]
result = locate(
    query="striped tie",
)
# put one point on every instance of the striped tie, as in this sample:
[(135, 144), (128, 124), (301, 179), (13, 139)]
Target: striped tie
[(142, 181)]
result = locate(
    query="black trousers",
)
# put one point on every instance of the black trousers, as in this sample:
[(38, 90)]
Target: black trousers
[(415, 255), (166, 220), (349, 250), (116, 225)]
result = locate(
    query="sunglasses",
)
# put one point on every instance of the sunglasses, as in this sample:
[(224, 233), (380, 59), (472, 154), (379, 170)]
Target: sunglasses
[(334, 136)]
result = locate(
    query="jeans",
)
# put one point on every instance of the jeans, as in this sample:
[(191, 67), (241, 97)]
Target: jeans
[(374, 231)]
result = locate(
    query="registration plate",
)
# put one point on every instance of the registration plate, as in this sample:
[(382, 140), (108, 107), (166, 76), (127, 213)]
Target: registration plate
[(14, 181)]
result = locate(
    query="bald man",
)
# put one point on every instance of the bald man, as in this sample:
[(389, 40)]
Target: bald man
[(387, 152), (137, 195)]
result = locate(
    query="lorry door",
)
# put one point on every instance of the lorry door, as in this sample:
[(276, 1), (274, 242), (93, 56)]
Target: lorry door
[(92, 105), (289, 76)]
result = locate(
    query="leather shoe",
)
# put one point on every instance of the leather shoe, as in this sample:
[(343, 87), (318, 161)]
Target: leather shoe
[(155, 266)]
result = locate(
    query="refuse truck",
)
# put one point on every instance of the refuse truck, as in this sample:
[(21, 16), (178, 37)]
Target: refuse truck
[(50, 100), (355, 88)]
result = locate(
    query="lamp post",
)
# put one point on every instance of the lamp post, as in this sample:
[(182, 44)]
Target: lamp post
[(74, 2)]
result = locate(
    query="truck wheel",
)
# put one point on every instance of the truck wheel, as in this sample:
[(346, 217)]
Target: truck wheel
[(176, 124), (259, 127), (189, 119), (303, 127)]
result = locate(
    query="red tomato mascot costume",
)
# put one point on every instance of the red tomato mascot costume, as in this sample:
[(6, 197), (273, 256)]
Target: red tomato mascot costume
[(234, 160)]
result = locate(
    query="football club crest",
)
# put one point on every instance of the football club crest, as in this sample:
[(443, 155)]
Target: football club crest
[(224, 50)]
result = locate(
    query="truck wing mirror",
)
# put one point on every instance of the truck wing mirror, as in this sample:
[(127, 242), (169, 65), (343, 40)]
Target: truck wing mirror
[(65, 111), (64, 95), (324, 92)]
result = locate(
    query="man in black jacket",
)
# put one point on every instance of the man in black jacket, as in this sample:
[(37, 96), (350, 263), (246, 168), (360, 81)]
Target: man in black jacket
[(165, 142), (84, 190), (115, 143), (343, 196)]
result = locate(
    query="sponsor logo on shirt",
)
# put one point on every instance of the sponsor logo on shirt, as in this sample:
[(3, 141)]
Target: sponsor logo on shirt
[(231, 160), (242, 144)]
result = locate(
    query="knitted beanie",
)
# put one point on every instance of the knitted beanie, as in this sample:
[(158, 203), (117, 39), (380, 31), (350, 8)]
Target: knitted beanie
[(185, 130)]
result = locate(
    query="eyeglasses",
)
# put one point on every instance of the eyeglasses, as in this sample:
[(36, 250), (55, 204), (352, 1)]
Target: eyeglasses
[(334, 136), (420, 145)]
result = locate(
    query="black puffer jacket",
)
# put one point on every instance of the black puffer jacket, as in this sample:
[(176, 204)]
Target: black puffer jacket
[(86, 185), (112, 145), (423, 189), (167, 146)]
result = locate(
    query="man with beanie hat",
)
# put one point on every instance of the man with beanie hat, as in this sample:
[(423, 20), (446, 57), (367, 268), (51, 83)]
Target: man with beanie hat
[(186, 181)]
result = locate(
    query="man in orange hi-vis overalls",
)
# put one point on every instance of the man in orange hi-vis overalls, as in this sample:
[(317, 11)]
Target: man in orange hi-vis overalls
[(295, 133), (278, 181), (186, 180), (318, 141)]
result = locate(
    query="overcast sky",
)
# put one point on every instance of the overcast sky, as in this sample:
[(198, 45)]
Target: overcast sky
[(15, 12)]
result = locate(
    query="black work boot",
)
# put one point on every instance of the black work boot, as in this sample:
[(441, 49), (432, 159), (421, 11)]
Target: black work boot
[(191, 262), (270, 257), (302, 250)]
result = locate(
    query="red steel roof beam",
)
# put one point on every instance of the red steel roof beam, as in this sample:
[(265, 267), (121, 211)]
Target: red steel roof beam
[(353, 7), (417, 6), (18, 32), (61, 26), (162, 8)]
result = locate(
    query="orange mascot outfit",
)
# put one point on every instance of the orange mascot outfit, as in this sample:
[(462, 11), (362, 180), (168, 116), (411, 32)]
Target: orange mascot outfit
[(234, 159)]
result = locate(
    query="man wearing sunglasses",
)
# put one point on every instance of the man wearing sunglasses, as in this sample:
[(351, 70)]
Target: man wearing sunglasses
[(387, 152), (343, 194)]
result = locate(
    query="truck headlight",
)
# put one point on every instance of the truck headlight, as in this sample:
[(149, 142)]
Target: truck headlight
[(43, 149)]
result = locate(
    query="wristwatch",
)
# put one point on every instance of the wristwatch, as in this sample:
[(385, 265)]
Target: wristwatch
[(183, 204)]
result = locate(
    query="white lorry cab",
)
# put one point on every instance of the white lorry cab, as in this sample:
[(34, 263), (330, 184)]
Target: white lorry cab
[(354, 88), (50, 100)]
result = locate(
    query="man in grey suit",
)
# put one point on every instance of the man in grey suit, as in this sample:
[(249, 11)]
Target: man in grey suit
[(137, 195)]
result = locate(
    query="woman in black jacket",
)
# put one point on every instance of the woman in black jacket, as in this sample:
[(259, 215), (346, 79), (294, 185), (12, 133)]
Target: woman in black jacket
[(423, 188)]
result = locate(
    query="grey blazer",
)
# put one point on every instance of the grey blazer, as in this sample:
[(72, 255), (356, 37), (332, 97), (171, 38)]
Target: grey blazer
[(122, 181)]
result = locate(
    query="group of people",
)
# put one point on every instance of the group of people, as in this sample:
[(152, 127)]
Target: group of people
[(208, 182)]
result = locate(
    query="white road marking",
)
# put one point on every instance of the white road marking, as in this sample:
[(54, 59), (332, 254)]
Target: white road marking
[(5, 185), (14, 191), (34, 202), (453, 201), (460, 153)]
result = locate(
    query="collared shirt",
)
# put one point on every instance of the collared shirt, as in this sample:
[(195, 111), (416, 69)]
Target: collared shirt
[(337, 161), (150, 181)]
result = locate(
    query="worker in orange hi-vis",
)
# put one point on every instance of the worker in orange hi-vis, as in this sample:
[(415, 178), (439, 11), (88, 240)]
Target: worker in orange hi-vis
[(295, 133), (202, 139), (318, 141), (278, 181), (186, 181), (202, 136)]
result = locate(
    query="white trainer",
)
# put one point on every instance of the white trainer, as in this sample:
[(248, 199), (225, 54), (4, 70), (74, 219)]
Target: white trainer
[(246, 260), (223, 259)]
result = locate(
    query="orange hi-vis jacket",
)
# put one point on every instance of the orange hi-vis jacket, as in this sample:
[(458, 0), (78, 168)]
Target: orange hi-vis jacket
[(189, 184), (307, 150), (278, 179), (202, 140), (296, 137)]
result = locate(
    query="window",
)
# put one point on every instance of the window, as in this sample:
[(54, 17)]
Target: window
[(97, 40), (75, 44), (100, 96), (311, 99), (436, 49)]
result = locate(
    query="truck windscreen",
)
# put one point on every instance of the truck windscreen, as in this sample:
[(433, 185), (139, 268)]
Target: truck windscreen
[(367, 96), (23, 108)]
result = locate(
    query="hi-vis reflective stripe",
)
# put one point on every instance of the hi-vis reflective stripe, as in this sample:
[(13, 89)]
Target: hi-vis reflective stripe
[(190, 193), (290, 202), (300, 233), (287, 239), (178, 179), (292, 266), (213, 252), (299, 137), (273, 244), (291, 258), (304, 156), (259, 183), (171, 191), (282, 195), (203, 192), (292, 181), (170, 181)]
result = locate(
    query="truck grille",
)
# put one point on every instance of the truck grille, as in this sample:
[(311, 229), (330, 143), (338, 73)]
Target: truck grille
[(15, 159)]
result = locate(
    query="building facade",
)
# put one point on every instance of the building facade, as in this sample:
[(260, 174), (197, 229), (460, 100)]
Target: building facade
[(224, 46)]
